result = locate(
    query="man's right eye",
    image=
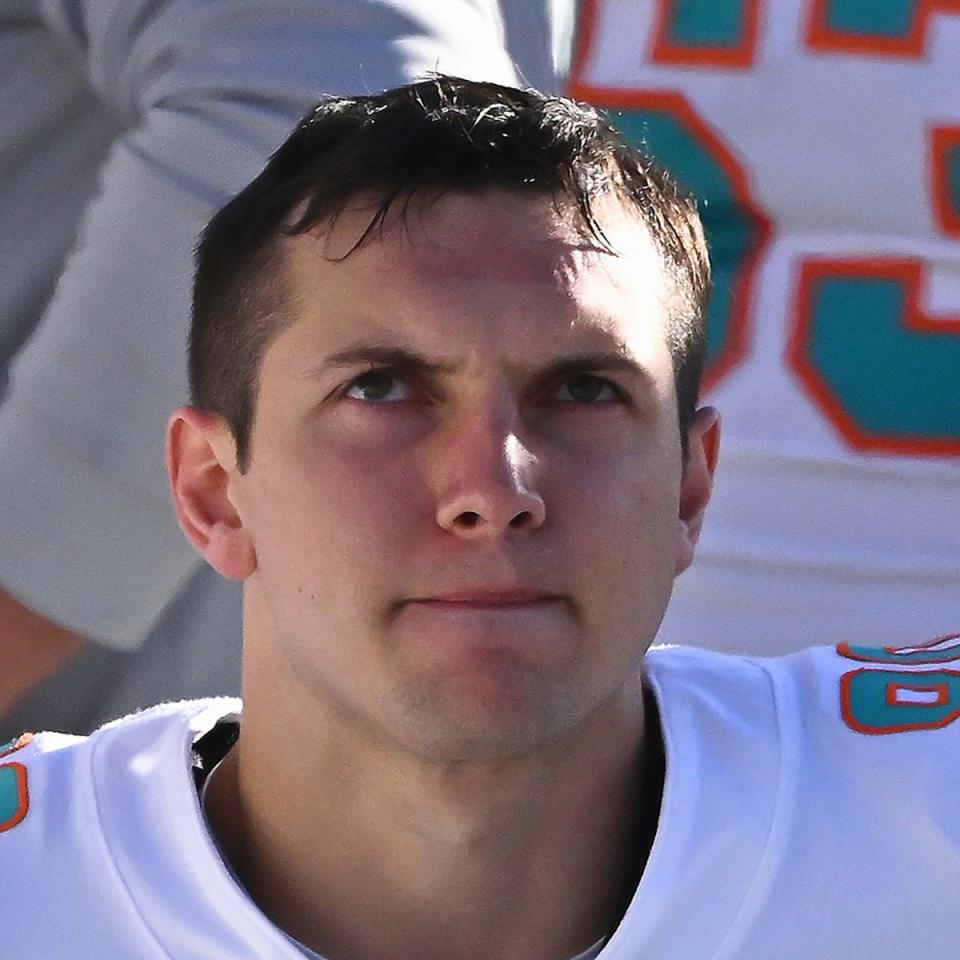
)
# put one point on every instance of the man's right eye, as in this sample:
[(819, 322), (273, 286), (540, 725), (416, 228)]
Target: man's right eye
[(378, 386)]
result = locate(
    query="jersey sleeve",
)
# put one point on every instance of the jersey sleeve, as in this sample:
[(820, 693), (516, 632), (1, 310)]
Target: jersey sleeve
[(205, 92)]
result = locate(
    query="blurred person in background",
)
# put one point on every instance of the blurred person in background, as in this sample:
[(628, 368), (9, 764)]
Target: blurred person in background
[(124, 125)]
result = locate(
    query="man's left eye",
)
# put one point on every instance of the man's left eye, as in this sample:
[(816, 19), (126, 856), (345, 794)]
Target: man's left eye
[(378, 386), (587, 388)]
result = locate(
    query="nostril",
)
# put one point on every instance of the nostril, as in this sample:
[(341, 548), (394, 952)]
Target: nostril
[(469, 518), (521, 519)]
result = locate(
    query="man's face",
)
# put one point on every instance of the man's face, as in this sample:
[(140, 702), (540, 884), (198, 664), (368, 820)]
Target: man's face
[(465, 486)]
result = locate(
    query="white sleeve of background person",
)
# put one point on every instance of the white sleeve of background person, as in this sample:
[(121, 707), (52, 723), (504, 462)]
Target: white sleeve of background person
[(196, 96)]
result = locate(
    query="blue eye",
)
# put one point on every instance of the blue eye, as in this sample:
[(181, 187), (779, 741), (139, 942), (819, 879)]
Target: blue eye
[(378, 386), (588, 389)]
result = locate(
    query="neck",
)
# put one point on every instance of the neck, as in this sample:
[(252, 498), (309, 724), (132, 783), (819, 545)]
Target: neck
[(362, 853)]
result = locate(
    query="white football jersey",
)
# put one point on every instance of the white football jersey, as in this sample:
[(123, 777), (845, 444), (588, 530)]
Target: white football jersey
[(809, 811), (823, 137)]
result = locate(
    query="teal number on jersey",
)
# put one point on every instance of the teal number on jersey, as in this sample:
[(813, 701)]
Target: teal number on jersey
[(878, 18), (735, 228), (13, 795), (705, 23), (944, 650), (887, 701), (890, 379), (898, 28), (9, 793), (953, 178), (885, 375)]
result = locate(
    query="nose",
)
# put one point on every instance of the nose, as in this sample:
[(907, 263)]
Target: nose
[(490, 488)]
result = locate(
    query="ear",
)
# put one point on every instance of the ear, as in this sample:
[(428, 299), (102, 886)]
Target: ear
[(201, 463), (697, 484)]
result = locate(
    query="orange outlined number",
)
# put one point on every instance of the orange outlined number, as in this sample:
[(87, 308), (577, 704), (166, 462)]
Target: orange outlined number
[(14, 796), (893, 28), (945, 178), (939, 650), (876, 701), (886, 374), (710, 33)]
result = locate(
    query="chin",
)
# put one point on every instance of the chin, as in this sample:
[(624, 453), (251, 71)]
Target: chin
[(484, 718)]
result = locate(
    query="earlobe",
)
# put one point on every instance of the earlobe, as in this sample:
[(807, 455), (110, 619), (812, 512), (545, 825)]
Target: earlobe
[(200, 461), (697, 484)]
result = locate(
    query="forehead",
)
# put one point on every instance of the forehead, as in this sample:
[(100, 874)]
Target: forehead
[(480, 260)]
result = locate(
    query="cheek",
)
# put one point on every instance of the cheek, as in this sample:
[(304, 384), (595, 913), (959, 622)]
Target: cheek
[(621, 474), (336, 511), (622, 525)]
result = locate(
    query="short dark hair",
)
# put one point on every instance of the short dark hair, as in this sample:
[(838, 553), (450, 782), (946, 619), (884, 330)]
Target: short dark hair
[(440, 134)]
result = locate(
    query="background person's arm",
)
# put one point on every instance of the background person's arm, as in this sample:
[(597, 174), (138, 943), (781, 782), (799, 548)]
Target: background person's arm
[(200, 94), (32, 648)]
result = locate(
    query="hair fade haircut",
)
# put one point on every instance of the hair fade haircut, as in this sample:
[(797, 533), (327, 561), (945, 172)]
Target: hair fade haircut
[(437, 135)]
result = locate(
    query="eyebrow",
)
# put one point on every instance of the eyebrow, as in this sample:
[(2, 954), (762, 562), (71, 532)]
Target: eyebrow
[(603, 360), (400, 357), (383, 356)]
